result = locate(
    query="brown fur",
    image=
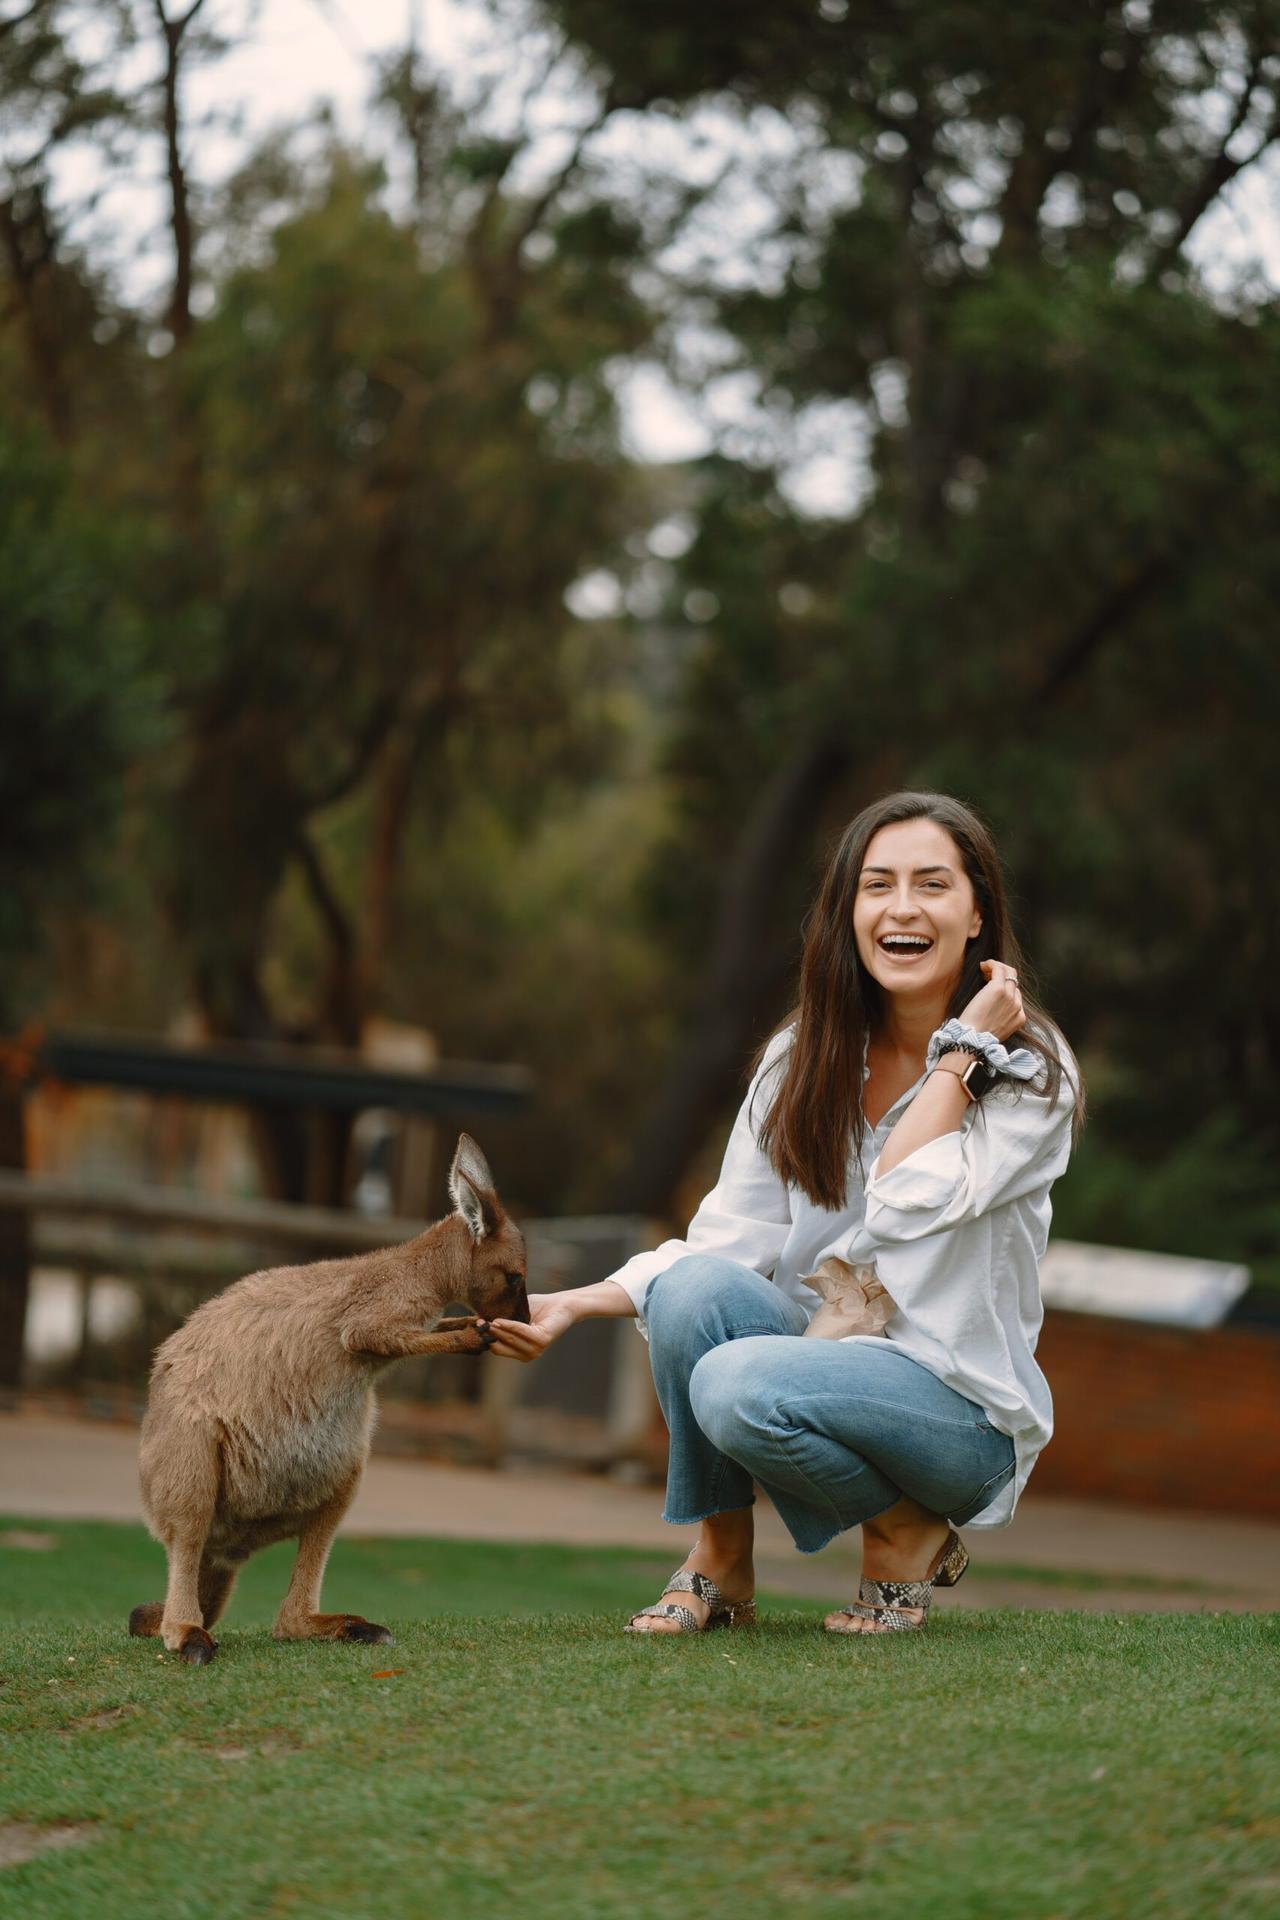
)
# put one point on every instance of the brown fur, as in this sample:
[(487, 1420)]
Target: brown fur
[(262, 1404)]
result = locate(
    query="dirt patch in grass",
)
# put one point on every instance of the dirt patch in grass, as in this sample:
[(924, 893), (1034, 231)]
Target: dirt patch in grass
[(21, 1841), (99, 1722)]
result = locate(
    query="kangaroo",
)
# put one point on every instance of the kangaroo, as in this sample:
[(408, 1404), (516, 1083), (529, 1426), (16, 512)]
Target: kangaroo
[(262, 1405)]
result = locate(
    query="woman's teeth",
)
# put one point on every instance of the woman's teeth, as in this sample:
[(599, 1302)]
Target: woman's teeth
[(902, 948)]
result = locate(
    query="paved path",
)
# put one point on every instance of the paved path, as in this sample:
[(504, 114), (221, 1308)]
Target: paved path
[(57, 1468)]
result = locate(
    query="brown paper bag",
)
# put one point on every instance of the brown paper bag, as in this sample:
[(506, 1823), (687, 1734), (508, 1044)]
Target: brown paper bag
[(853, 1300)]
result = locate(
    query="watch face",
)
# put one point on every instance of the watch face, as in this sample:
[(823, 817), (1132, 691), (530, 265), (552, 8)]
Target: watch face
[(978, 1078)]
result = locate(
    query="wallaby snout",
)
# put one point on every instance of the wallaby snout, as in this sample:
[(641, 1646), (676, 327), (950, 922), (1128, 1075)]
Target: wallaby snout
[(501, 1295), (517, 1307)]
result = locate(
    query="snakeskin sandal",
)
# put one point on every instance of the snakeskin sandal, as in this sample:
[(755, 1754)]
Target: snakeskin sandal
[(722, 1612), (883, 1600)]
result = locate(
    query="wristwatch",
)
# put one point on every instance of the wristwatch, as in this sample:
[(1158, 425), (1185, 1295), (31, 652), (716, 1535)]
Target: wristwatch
[(976, 1079)]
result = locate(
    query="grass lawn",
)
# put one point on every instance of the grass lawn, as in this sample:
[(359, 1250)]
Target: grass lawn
[(513, 1753)]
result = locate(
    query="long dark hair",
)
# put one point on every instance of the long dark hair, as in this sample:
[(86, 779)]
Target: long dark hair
[(817, 1098)]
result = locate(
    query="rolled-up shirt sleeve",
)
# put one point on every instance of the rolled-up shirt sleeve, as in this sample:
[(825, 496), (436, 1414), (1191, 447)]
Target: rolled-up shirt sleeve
[(747, 1214), (1010, 1146)]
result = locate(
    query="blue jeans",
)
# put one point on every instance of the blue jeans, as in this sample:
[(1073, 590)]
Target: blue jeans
[(834, 1433)]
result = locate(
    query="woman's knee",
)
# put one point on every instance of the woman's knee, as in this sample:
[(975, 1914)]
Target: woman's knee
[(730, 1392)]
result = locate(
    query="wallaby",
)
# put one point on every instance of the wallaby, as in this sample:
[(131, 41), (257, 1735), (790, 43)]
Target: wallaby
[(262, 1404)]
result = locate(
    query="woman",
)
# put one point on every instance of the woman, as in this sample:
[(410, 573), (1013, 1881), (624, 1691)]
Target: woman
[(913, 1111)]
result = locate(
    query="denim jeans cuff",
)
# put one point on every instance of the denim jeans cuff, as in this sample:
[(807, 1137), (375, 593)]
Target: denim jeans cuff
[(711, 1513)]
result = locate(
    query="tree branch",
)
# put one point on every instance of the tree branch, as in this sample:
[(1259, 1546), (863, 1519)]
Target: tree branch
[(555, 187), (499, 278), (400, 764), (474, 244), (173, 31), (1220, 170), (342, 997), (376, 728), (30, 269), (1099, 91), (1116, 606)]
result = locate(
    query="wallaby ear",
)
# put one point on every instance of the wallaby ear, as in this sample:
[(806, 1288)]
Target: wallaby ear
[(471, 1188)]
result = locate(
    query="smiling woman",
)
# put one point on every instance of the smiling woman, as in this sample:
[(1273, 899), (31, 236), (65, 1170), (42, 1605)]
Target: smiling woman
[(905, 1123)]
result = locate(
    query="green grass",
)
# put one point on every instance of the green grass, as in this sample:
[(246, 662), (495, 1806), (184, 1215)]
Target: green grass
[(1001, 1766), (98, 1572)]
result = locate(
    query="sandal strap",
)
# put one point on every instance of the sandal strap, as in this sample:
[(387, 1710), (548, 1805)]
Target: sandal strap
[(688, 1580), (896, 1593), (673, 1612), (886, 1617)]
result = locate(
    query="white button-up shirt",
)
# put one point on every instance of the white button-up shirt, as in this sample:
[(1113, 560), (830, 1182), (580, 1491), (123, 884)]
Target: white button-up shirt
[(956, 1230)]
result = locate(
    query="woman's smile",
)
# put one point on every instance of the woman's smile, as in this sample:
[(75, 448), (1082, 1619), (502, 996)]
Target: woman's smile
[(905, 949)]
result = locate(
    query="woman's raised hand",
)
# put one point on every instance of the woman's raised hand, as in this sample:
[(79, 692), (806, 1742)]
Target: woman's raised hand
[(550, 1315), (997, 1007)]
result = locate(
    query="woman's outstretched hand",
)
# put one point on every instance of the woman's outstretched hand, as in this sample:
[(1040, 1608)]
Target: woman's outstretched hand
[(997, 1007), (550, 1315)]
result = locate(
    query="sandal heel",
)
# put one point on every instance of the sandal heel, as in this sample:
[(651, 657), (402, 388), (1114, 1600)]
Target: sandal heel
[(954, 1561)]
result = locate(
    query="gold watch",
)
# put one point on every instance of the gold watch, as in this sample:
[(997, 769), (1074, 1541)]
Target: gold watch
[(976, 1079)]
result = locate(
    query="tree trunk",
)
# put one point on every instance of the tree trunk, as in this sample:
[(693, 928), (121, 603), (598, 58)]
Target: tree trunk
[(745, 981)]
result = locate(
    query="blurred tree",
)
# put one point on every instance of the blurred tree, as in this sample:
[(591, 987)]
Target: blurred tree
[(72, 717), (978, 239), (391, 540), (372, 447)]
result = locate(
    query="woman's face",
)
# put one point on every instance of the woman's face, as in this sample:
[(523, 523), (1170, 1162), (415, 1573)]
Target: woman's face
[(913, 889)]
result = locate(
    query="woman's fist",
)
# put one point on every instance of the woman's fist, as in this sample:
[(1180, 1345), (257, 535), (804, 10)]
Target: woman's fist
[(997, 1007)]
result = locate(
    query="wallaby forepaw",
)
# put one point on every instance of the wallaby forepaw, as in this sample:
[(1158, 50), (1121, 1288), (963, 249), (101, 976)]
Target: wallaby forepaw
[(144, 1621), (367, 1632), (198, 1647)]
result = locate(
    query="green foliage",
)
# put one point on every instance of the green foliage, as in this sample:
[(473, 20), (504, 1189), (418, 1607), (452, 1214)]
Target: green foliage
[(75, 708)]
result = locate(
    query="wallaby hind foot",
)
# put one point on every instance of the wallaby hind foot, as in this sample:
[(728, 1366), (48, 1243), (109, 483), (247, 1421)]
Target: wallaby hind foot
[(335, 1626)]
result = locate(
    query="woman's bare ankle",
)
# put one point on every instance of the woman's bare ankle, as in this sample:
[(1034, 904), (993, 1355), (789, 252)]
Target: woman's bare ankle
[(902, 1543), (724, 1552)]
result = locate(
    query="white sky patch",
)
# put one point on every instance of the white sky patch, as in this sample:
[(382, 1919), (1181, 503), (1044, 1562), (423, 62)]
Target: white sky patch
[(596, 596), (658, 421)]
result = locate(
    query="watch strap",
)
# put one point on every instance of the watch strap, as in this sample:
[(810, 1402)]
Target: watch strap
[(977, 1078)]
